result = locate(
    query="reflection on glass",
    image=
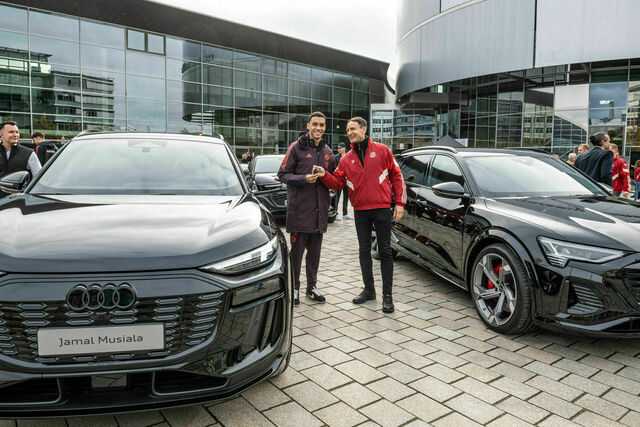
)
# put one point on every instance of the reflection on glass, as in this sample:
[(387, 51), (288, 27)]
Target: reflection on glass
[(146, 126), (299, 89), (155, 43), (341, 95), (274, 66), (14, 72), (102, 82), (610, 116), (103, 107), (608, 95), (246, 61), (183, 70), (56, 126), (145, 64), (102, 58), (248, 118), (572, 97), (13, 18), (299, 106), (217, 116), (342, 80), (275, 120), (183, 49), (217, 55), (179, 113), (569, 129), (55, 102), (361, 99), (248, 137), (634, 94), (49, 24), (135, 40), (145, 87), (14, 98), (323, 107), (51, 76), (248, 99), (300, 72), (23, 120), (55, 51), (360, 83), (321, 76), (183, 92), (275, 85), (102, 34), (218, 76), (218, 95), (245, 80), (146, 110), (341, 111), (14, 45), (321, 92), (274, 102)]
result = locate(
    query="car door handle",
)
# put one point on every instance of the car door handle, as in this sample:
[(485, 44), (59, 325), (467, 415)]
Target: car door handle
[(422, 203)]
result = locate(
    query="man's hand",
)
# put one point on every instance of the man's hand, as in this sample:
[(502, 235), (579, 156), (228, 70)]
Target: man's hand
[(398, 212), (311, 178), (319, 170)]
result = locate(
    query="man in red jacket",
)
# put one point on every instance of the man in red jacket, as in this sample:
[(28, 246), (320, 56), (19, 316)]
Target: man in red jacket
[(371, 173), (307, 201), (621, 178)]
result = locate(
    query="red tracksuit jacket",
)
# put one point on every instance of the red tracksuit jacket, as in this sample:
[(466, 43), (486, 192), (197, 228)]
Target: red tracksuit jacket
[(370, 187)]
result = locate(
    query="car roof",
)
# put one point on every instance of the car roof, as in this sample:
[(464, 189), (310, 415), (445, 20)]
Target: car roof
[(476, 152), (215, 139)]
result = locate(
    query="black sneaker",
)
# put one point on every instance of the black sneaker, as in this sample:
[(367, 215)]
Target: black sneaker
[(296, 297), (315, 295), (387, 304), (364, 296)]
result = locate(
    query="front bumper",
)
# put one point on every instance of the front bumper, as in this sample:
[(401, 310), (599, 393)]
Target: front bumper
[(590, 299), (275, 202), (213, 350)]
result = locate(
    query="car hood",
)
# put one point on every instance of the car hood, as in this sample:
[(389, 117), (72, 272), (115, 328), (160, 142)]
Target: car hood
[(126, 233), (600, 221)]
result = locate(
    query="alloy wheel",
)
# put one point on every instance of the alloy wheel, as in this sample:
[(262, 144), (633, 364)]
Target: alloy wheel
[(494, 289)]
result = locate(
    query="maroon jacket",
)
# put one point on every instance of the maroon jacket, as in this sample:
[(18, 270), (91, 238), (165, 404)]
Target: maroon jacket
[(307, 204)]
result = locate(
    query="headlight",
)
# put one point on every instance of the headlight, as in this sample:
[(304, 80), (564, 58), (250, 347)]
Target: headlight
[(558, 252), (256, 291), (247, 261)]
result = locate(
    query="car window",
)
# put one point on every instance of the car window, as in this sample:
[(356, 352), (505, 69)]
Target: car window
[(267, 164), (413, 168), (444, 169)]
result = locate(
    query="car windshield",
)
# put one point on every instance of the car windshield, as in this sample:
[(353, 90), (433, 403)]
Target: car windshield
[(515, 176), (140, 166), (268, 164)]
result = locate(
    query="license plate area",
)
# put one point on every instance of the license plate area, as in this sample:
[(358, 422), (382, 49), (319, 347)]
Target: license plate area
[(100, 340)]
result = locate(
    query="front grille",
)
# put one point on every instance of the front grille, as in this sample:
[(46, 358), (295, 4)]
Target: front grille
[(587, 302), (631, 279), (188, 321)]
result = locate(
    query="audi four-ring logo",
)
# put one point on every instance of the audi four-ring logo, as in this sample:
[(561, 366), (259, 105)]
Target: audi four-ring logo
[(96, 296)]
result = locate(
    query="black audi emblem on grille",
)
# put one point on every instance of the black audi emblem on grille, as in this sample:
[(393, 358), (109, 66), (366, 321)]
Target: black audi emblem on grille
[(96, 296)]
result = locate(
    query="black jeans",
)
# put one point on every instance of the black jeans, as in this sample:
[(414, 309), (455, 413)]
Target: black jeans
[(380, 220), (312, 242), (345, 199)]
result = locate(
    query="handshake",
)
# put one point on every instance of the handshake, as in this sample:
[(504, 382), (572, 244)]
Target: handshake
[(316, 172)]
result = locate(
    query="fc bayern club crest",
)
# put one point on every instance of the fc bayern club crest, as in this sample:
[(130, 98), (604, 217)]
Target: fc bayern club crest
[(372, 155)]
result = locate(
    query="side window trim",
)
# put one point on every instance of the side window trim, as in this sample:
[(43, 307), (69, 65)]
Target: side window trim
[(428, 171)]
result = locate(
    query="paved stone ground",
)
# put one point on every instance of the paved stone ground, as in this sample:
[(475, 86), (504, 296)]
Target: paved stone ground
[(432, 362)]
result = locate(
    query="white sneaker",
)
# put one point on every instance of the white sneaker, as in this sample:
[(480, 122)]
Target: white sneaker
[(338, 218), (347, 216)]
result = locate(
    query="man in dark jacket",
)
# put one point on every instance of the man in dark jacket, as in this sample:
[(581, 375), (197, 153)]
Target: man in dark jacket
[(598, 161), (342, 149), (14, 157), (307, 201), (44, 149)]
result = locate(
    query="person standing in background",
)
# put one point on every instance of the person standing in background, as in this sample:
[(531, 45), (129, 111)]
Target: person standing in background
[(342, 149), (621, 179)]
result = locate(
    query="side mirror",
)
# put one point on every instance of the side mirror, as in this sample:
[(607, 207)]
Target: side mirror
[(15, 182), (450, 190)]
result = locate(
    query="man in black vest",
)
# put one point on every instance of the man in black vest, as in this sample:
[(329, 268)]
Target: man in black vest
[(13, 157), (598, 161)]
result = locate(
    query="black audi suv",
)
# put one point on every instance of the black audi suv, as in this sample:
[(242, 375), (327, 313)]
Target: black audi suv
[(534, 240), (138, 271)]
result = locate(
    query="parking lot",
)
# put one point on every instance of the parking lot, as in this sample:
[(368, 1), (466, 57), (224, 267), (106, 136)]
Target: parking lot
[(431, 362)]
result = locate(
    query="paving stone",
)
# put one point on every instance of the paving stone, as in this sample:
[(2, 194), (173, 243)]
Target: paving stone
[(523, 410), (481, 359), (481, 334), (473, 408), (506, 343), (355, 333), (444, 332), (424, 408), (391, 327), (589, 419), (454, 420), (237, 412), (289, 377), (508, 420), (631, 373), (391, 389), (556, 421), (310, 395), (480, 390), (554, 387), (381, 345), (510, 357), (322, 332), (418, 347), (601, 406), (401, 372), (331, 356), (623, 398), (293, 415), (43, 422), (447, 359), (478, 372), (340, 414), (417, 334), (356, 395), (386, 413), (546, 370), (616, 381), (600, 363), (303, 360), (442, 373), (434, 388), (476, 344), (411, 358), (513, 372), (96, 421), (593, 387), (346, 344), (139, 419), (589, 348), (188, 415), (567, 352), (360, 371), (539, 355), (631, 419), (326, 376), (626, 360), (577, 368), (264, 396), (310, 343), (372, 357), (555, 405)]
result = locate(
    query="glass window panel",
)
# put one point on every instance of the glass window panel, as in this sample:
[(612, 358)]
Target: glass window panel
[(56, 102), (321, 76), (444, 169), (14, 45), (610, 116), (184, 92), (135, 40), (321, 92), (341, 111), (275, 85), (23, 121), (298, 71), (146, 126), (634, 94), (217, 116), (218, 95), (183, 49), (299, 106), (217, 55), (248, 118), (48, 24), (56, 126), (14, 72), (185, 126), (55, 51), (274, 66), (341, 95), (102, 82), (572, 97), (48, 75), (145, 87), (360, 83), (104, 107), (244, 80), (103, 58), (102, 34), (342, 80), (361, 99), (323, 107), (225, 131), (248, 99), (274, 102), (13, 18), (300, 89), (105, 125), (146, 110), (218, 76), (145, 64), (14, 98), (246, 61), (275, 120), (155, 43), (178, 113), (339, 127), (608, 95), (414, 167), (360, 112), (183, 70), (248, 137)]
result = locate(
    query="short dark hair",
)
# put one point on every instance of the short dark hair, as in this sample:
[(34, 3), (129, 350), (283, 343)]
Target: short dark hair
[(316, 114), (37, 135), (8, 122), (359, 120), (597, 139)]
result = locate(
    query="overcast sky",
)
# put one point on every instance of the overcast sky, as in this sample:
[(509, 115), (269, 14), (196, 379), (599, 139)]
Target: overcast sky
[(364, 27)]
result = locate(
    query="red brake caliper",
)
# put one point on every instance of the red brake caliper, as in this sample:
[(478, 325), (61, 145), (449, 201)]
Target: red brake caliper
[(496, 270)]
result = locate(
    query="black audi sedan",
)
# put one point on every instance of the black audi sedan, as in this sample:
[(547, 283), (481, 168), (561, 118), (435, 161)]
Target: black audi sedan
[(138, 271), (534, 240)]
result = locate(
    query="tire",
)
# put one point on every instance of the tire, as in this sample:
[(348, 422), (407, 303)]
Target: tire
[(504, 303)]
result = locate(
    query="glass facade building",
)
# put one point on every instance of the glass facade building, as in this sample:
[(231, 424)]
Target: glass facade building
[(60, 74)]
